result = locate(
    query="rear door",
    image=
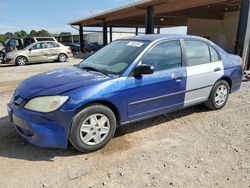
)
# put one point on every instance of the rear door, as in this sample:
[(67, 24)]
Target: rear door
[(204, 68), (52, 51)]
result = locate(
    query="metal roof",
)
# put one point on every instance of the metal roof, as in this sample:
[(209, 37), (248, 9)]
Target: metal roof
[(166, 13)]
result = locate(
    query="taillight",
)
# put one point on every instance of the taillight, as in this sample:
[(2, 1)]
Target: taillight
[(69, 50)]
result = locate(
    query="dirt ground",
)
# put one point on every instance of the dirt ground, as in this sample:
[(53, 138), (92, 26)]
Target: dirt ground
[(194, 147)]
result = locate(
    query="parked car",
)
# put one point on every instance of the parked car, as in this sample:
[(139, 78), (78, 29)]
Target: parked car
[(39, 52), (75, 48), (126, 81), (15, 44), (2, 53), (93, 47)]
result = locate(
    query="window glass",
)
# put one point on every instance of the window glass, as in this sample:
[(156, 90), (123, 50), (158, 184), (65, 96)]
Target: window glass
[(38, 46), (214, 55), (116, 56), (197, 53), (52, 45), (165, 55)]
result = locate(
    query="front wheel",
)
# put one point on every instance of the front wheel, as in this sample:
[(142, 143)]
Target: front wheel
[(20, 61), (219, 95), (92, 128), (62, 58)]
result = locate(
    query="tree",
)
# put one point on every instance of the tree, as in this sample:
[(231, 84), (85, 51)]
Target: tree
[(9, 35), (43, 33), (33, 33), (23, 33), (65, 33), (20, 34)]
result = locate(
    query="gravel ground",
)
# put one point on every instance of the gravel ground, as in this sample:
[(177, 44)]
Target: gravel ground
[(194, 147)]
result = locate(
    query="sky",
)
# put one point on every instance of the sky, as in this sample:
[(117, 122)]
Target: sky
[(53, 15)]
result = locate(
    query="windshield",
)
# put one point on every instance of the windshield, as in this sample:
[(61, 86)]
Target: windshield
[(115, 57)]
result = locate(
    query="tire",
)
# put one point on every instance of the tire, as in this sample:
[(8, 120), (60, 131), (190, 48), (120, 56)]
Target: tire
[(92, 128), (62, 58), (2, 58), (21, 60), (218, 96)]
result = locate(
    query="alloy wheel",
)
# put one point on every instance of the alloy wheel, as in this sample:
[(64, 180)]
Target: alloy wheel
[(22, 61), (62, 58), (94, 129), (221, 95)]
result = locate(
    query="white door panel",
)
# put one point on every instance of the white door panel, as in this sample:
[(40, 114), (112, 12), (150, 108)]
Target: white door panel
[(200, 80)]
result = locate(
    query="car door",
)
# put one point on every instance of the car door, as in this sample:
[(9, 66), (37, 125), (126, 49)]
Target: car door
[(162, 91), (52, 50), (37, 52), (204, 68)]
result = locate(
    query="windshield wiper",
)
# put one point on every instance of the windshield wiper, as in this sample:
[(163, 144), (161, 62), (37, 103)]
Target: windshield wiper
[(96, 70)]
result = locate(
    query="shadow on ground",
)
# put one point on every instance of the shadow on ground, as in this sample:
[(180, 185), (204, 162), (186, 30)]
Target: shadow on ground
[(13, 146)]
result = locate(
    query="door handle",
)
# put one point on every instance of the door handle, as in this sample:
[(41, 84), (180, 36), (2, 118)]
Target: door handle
[(217, 69), (178, 77)]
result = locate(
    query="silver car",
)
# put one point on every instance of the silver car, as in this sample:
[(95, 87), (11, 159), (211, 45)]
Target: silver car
[(39, 52)]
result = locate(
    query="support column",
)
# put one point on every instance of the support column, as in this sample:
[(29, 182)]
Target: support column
[(110, 34), (246, 47), (105, 33), (158, 30), (149, 20), (242, 26), (81, 42), (136, 31)]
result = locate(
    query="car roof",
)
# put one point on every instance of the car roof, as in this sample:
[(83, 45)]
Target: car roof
[(153, 37)]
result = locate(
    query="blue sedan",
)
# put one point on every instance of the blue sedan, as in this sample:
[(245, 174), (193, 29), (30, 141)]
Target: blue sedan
[(128, 80)]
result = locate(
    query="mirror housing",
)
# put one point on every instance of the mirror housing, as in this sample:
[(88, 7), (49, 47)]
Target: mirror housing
[(30, 49), (143, 69)]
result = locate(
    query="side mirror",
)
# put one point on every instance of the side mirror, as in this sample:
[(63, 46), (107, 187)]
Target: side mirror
[(143, 69), (30, 49)]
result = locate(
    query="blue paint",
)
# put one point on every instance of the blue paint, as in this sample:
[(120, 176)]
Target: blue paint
[(134, 98)]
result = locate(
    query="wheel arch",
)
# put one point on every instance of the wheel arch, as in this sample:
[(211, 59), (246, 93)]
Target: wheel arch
[(22, 55), (228, 80), (106, 103), (63, 53)]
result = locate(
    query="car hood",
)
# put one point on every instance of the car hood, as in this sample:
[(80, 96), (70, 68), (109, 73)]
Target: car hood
[(58, 81)]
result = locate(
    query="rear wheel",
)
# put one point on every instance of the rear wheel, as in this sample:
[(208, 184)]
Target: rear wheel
[(92, 128), (2, 58), (62, 58), (219, 95), (21, 60)]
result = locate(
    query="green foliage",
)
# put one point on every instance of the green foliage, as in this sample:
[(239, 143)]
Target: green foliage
[(65, 33), (43, 33), (33, 33)]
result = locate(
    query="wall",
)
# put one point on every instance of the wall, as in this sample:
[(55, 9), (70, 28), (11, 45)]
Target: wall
[(222, 32), (97, 37)]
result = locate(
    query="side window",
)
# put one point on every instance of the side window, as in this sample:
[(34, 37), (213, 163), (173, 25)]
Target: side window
[(38, 46), (214, 55), (52, 45), (165, 55), (197, 52)]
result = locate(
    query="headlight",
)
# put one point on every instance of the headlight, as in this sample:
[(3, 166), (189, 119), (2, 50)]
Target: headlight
[(46, 104)]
